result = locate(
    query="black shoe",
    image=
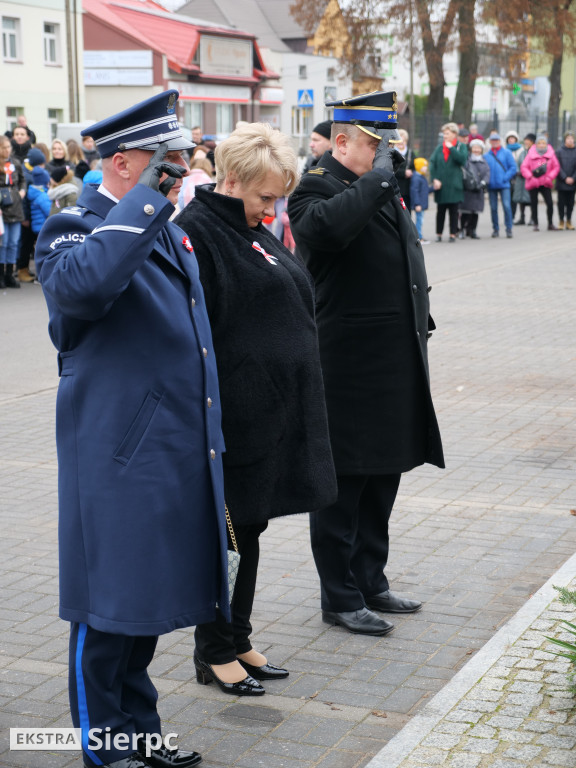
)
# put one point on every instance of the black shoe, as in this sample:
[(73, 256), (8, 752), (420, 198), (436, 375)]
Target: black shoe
[(474, 236), (265, 672), (508, 233), (247, 687), (495, 233), (391, 603), (520, 223), (438, 238), (168, 758), (361, 622), (9, 279), (132, 761)]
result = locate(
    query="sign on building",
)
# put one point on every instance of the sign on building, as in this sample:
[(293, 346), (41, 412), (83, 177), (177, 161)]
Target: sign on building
[(306, 97), (225, 56)]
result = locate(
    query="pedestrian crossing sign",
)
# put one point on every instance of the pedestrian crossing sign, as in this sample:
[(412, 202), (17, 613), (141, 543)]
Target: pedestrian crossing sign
[(306, 97)]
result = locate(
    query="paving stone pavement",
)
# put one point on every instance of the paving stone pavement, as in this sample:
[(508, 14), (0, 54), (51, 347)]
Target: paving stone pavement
[(474, 541), (510, 706)]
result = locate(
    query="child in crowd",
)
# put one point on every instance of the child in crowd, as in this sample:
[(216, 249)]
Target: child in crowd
[(37, 195), (94, 175), (63, 192), (473, 203), (419, 191), (39, 202)]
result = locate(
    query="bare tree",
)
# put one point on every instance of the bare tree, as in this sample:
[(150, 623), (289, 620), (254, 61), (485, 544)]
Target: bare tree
[(469, 58), (546, 29), (430, 25)]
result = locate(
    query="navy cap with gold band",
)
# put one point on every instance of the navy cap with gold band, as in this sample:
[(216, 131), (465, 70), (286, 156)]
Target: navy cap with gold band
[(146, 125), (376, 110)]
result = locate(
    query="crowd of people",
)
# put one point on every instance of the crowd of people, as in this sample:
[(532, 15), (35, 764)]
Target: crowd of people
[(36, 181), (465, 166)]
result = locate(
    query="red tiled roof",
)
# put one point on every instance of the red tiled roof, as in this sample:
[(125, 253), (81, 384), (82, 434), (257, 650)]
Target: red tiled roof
[(165, 32)]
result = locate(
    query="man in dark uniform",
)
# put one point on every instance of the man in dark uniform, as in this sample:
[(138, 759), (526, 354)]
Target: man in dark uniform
[(142, 532), (372, 309)]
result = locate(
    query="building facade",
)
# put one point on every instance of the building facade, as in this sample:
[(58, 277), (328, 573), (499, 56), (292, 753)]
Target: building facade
[(41, 65)]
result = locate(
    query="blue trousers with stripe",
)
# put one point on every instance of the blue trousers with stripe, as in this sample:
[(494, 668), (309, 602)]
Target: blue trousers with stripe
[(110, 689)]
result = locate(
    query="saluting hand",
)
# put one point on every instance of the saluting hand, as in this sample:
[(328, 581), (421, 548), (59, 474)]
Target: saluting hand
[(157, 167)]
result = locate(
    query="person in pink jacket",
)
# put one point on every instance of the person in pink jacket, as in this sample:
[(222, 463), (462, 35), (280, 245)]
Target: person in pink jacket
[(540, 167)]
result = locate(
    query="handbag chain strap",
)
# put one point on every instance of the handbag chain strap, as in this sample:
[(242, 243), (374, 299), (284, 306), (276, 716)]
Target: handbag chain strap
[(230, 529)]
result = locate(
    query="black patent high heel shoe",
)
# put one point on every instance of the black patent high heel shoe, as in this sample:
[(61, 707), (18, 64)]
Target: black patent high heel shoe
[(247, 687), (265, 672)]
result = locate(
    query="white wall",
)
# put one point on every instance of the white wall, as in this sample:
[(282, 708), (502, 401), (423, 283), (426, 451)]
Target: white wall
[(29, 83)]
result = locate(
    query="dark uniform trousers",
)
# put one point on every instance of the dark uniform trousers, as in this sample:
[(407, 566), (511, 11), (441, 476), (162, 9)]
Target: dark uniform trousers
[(350, 541), (219, 642), (110, 688)]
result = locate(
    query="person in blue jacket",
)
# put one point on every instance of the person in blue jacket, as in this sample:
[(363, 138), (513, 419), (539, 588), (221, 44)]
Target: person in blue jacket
[(138, 427), (419, 193), (37, 196), (502, 170)]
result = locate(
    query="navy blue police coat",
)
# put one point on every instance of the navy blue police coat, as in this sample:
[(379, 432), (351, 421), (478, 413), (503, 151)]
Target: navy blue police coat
[(141, 522)]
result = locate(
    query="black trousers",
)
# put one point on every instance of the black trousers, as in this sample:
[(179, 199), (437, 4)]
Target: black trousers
[(220, 642), (546, 193), (452, 209), (565, 204), (523, 207), (350, 541), (109, 687), (27, 243), (469, 222)]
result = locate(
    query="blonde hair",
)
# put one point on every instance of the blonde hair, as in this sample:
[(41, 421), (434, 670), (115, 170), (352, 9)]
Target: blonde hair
[(450, 127), (403, 135), (64, 147), (254, 149), (204, 164), (75, 154)]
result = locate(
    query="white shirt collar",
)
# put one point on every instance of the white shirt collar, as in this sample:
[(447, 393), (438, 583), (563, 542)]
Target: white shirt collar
[(103, 191)]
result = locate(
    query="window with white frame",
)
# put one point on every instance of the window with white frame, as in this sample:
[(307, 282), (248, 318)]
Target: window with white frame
[(224, 118), (55, 116), (193, 114), (301, 121), (11, 39), (51, 43), (12, 117)]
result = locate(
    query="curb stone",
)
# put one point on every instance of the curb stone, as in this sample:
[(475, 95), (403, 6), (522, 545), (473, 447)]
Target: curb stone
[(484, 674)]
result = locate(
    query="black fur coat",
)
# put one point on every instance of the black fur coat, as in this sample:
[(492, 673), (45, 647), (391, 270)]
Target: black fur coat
[(261, 308)]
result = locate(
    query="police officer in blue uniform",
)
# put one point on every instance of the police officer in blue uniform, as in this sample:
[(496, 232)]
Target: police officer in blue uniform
[(141, 507), (372, 310)]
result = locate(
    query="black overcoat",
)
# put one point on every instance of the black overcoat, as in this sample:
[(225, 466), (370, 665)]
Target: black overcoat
[(372, 311), (261, 308)]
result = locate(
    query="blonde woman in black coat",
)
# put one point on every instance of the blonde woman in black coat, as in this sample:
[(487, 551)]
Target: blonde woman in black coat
[(261, 308)]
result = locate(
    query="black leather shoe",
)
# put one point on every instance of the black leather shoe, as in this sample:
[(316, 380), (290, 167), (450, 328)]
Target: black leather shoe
[(265, 672), (361, 622), (391, 603), (247, 687), (132, 761), (168, 758)]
